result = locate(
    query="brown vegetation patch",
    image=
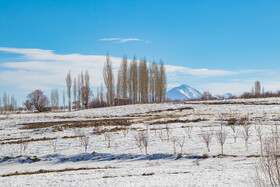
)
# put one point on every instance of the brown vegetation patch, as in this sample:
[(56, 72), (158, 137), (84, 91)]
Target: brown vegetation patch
[(77, 124), (177, 121), (9, 139), (52, 171), (29, 140), (148, 174), (175, 173), (172, 109), (69, 137)]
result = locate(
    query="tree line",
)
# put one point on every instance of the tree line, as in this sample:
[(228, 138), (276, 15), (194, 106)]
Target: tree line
[(137, 81)]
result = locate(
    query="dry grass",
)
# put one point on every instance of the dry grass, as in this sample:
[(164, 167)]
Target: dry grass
[(53, 171), (77, 124), (29, 140)]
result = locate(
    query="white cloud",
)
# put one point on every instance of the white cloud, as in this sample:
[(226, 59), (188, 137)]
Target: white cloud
[(198, 72), (124, 40), (38, 68)]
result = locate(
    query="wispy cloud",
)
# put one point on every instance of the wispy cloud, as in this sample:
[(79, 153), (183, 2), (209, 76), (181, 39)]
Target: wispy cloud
[(124, 40), (198, 72)]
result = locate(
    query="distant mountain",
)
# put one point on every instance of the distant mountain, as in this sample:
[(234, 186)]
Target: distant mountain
[(225, 96), (183, 92)]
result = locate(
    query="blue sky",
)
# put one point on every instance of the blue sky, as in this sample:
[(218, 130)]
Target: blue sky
[(220, 46)]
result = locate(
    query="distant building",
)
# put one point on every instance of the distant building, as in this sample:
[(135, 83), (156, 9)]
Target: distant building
[(122, 101)]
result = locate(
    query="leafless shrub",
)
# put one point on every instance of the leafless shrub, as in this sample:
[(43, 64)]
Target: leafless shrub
[(232, 123), (23, 147), (174, 140), (85, 142), (259, 131), (246, 134), (221, 138), (207, 137), (168, 131), (53, 144), (244, 120), (108, 138), (77, 131), (181, 142), (222, 118), (125, 131), (141, 140), (275, 133), (189, 130), (97, 130), (267, 169), (160, 134)]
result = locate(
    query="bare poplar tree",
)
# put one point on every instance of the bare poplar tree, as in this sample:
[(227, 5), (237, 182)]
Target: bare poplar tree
[(79, 87), (69, 84), (63, 99), (134, 79), (5, 102), (75, 93), (82, 90), (1, 107), (119, 84), (109, 80), (257, 88), (85, 90), (13, 104), (162, 90), (101, 95), (157, 83), (54, 99), (130, 82), (152, 80), (124, 77), (143, 82)]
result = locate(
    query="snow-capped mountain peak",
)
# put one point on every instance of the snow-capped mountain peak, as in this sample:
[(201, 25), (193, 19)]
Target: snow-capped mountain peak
[(183, 92)]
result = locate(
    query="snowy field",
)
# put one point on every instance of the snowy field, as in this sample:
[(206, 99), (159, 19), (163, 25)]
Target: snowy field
[(99, 147)]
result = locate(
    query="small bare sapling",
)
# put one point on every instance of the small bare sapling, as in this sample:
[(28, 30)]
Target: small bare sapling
[(141, 140), (181, 142), (232, 123), (259, 131), (189, 131), (168, 131), (108, 138), (23, 147), (207, 137), (53, 144), (221, 137), (85, 142), (174, 140), (246, 134)]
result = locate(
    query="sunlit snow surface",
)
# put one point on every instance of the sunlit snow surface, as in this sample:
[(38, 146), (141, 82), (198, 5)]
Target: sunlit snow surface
[(123, 164)]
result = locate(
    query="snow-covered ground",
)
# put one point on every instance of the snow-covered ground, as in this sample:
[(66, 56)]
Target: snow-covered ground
[(123, 164)]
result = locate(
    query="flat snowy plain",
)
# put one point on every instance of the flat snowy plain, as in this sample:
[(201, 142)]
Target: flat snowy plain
[(123, 163)]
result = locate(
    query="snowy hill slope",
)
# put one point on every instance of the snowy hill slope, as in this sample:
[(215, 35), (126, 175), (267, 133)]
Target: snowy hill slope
[(183, 92)]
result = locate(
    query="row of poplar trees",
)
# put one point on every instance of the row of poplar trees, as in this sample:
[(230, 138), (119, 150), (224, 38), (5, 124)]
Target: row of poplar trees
[(142, 82)]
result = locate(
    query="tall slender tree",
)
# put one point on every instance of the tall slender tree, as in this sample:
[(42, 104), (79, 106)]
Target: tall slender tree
[(69, 84), (75, 93), (86, 89), (79, 87), (109, 80), (134, 79), (63, 99), (162, 82)]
